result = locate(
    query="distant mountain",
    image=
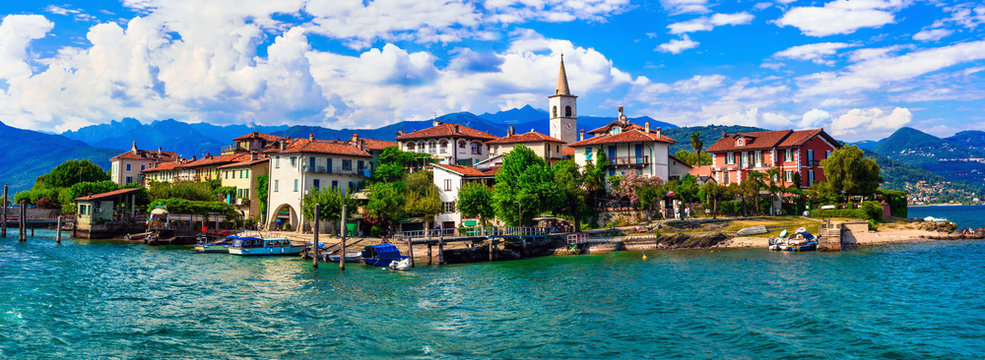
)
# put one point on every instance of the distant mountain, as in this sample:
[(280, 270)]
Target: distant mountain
[(170, 135), (226, 133), (868, 144), (518, 115), (958, 158), (709, 135), (905, 139), (529, 118), (28, 154)]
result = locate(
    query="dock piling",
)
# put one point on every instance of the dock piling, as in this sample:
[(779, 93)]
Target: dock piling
[(441, 250), (491, 245), (4, 234), (21, 223), (345, 210), (410, 251), (429, 254), (314, 245), (58, 230)]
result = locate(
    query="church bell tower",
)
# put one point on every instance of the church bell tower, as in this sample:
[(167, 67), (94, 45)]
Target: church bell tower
[(563, 109)]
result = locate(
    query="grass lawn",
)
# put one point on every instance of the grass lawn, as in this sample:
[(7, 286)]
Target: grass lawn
[(776, 224)]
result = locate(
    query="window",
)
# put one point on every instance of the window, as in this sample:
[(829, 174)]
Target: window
[(352, 186), (461, 144), (247, 172), (276, 185), (240, 173), (226, 175), (311, 164), (128, 167), (758, 158), (360, 165), (740, 142), (316, 184), (432, 147), (449, 206), (827, 154), (810, 156), (328, 165), (588, 154), (567, 111), (142, 167), (129, 179), (554, 112), (745, 159), (83, 209), (726, 177), (276, 162), (447, 184), (476, 148), (295, 185), (730, 158), (346, 165), (443, 147), (788, 176), (810, 177), (410, 147), (788, 155), (294, 161), (335, 184)]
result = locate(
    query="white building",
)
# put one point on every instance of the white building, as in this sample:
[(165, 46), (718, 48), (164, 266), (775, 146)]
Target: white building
[(449, 179), (563, 109), (628, 146), (452, 143), (126, 167), (298, 166)]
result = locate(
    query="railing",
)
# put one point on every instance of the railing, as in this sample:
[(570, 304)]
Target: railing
[(229, 148), (629, 160), (492, 231)]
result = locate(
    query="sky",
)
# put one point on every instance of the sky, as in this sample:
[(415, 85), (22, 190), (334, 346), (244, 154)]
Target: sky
[(860, 69)]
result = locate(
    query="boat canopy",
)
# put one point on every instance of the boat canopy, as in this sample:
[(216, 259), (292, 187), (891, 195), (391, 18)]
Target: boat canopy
[(381, 252)]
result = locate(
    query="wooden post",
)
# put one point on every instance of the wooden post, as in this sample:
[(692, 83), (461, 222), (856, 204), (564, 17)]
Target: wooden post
[(58, 231), (491, 250), (410, 251), (429, 254), (4, 234), (345, 210), (441, 250), (314, 245), (524, 241), (21, 223)]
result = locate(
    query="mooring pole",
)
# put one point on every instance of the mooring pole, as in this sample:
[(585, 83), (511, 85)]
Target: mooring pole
[(441, 250), (314, 245), (491, 250), (429, 254), (21, 223), (58, 231), (4, 234), (345, 211), (410, 251)]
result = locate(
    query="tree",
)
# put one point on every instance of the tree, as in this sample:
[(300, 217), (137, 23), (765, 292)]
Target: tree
[(849, 172), (72, 172), (641, 190), (475, 200), (711, 193), (331, 201), (690, 158), (386, 203), (593, 179), (262, 188), (394, 163), (749, 190), (772, 185), (188, 190), (524, 186), (568, 180), (697, 144), (422, 197)]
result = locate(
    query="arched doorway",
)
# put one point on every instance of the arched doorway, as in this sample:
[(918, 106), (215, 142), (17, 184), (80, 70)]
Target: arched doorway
[(281, 216)]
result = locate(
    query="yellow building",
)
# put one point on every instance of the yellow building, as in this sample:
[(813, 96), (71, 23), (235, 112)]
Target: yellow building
[(204, 169), (243, 176)]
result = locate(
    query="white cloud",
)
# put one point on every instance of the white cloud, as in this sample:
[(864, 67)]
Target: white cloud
[(676, 7), (676, 46), (814, 118), (699, 83), (932, 34), (16, 32), (707, 23), (816, 53), (841, 16), (870, 123)]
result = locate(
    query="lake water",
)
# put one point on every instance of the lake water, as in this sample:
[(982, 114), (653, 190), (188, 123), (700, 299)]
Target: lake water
[(96, 299), (972, 216)]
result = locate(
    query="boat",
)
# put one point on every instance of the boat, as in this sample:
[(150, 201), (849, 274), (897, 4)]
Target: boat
[(381, 255), (800, 241), (753, 230), (349, 257), (775, 242), (252, 246), (400, 265), (216, 247)]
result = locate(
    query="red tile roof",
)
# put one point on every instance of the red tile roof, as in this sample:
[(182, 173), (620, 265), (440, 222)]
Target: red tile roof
[(461, 170), (107, 195), (163, 166), (147, 155), (261, 159), (703, 170), (216, 160), (625, 125), (492, 171), (374, 144), (320, 146), (257, 134), (529, 137), (768, 140), (568, 151), (634, 135), (448, 130)]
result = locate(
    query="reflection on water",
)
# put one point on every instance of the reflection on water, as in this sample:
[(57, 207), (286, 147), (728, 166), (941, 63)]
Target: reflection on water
[(95, 299)]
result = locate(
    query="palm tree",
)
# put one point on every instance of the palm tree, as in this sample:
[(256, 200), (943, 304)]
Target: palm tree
[(697, 145)]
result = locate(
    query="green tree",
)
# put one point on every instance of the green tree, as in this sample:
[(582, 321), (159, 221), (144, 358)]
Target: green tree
[(262, 188), (331, 201), (188, 190), (524, 187), (422, 197), (386, 203), (475, 200), (849, 172), (697, 145), (395, 162), (711, 193), (593, 179), (72, 172), (569, 181), (690, 158)]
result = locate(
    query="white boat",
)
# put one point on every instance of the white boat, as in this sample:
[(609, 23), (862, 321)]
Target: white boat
[(349, 257), (251, 246), (400, 265)]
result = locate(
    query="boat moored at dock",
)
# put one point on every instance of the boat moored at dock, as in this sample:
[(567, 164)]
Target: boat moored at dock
[(381, 255), (216, 247), (252, 246)]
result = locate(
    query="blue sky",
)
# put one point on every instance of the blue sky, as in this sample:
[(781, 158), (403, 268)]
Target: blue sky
[(860, 69)]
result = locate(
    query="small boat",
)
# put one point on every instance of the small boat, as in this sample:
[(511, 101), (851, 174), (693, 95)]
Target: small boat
[(800, 241), (400, 265), (253, 246), (381, 255), (775, 242), (753, 230), (349, 257), (216, 247)]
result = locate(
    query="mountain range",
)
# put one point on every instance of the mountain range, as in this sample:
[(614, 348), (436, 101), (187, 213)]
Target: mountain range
[(907, 154)]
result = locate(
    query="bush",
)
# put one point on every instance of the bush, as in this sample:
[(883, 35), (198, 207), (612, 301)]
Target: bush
[(870, 210), (873, 225), (730, 207), (182, 206)]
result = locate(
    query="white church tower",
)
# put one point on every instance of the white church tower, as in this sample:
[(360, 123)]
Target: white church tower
[(563, 110)]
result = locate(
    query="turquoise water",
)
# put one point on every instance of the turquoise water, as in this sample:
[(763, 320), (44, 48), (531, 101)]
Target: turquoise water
[(113, 300), (972, 216)]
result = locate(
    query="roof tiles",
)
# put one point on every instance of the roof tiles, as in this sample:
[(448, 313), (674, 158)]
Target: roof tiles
[(448, 130)]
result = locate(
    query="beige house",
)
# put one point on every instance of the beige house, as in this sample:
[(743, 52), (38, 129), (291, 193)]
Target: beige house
[(546, 147), (204, 169), (626, 147), (451, 143), (252, 142), (243, 176), (126, 168)]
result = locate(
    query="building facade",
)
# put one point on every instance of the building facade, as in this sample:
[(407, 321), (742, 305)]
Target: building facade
[(626, 147), (252, 142), (126, 168), (795, 154), (563, 109), (450, 143), (548, 148), (450, 179), (243, 176)]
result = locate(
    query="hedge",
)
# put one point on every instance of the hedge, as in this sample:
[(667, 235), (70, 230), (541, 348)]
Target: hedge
[(182, 206), (870, 210)]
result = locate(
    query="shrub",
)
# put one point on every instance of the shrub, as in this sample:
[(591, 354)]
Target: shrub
[(870, 210)]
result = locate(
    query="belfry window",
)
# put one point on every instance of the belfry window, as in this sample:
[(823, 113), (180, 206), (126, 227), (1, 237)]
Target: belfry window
[(554, 112), (567, 111)]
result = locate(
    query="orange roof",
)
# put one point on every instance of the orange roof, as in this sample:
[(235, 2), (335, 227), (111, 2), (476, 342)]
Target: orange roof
[(768, 140), (216, 160), (625, 125), (633, 135), (374, 144), (461, 170), (261, 159), (447, 130), (529, 137), (320, 146), (801, 137), (703, 170), (568, 151), (163, 166), (107, 195), (146, 155), (257, 134), (492, 171)]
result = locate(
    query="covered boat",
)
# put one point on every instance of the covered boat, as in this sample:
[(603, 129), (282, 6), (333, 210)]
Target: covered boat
[(800, 241), (381, 255), (219, 246), (257, 246)]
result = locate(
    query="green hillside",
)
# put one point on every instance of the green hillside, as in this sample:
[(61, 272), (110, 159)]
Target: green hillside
[(28, 154)]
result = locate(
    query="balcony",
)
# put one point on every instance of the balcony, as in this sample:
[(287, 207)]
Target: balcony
[(630, 161)]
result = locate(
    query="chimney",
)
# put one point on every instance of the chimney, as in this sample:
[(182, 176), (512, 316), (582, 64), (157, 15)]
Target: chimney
[(435, 122), (646, 127), (582, 138), (511, 131), (134, 147), (362, 145), (355, 137), (724, 134), (311, 137), (194, 157), (622, 117), (208, 155), (401, 132), (282, 145), (658, 129), (456, 128), (253, 155)]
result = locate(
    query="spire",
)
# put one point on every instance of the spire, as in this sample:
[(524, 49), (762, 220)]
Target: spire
[(562, 80)]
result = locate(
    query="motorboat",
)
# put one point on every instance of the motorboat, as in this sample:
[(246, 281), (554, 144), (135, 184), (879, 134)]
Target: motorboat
[(216, 247), (349, 257), (800, 241), (253, 246), (381, 255), (403, 264)]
